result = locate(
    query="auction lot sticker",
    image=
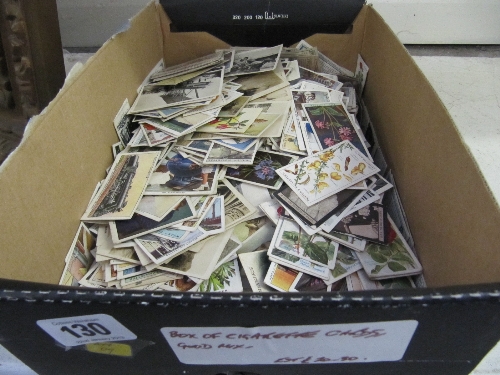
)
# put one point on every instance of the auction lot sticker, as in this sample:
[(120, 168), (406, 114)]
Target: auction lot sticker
[(85, 329), (306, 344)]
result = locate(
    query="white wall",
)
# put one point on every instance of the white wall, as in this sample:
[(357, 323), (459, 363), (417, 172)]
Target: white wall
[(442, 21), (89, 23)]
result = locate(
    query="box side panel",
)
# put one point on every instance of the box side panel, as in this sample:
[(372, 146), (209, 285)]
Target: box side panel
[(46, 184), (453, 216), (451, 337), (342, 48), (179, 47)]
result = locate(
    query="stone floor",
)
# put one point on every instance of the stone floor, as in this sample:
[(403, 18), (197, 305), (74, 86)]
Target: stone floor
[(11, 131)]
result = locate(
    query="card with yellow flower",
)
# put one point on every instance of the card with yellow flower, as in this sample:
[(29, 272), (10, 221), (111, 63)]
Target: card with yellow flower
[(328, 172)]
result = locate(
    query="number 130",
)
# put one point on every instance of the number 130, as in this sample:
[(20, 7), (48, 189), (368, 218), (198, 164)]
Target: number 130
[(91, 329)]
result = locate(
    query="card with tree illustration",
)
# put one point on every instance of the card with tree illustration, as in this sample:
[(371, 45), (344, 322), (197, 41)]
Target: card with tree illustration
[(394, 260), (226, 278), (263, 170), (327, 172), (331, 125)]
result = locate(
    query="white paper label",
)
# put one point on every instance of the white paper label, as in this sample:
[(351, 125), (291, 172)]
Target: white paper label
[(307, 344), (85, 329)]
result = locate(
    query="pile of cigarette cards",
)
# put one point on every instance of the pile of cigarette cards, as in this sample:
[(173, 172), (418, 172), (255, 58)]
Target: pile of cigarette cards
[(245, 170)]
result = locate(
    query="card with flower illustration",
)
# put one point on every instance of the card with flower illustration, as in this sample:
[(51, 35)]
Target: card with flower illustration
[(327, 172), (263, 170), (236, 124), (393, 260), (331, 125)]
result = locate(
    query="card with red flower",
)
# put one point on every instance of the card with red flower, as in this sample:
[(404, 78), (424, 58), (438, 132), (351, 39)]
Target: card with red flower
[(331, 125)]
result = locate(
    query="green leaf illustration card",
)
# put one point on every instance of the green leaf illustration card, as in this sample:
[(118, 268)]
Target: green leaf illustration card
[(290, 238), (346, 263), (394, 260), (226, 278)]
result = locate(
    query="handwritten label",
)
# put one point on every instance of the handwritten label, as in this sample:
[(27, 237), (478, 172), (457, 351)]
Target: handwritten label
[(307, 344), (86, 329), (110, 348)]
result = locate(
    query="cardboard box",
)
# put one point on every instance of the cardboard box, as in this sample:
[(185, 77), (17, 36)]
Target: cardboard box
[(46, 184)]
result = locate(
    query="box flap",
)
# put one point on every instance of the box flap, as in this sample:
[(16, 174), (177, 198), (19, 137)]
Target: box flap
[(262, 22)]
